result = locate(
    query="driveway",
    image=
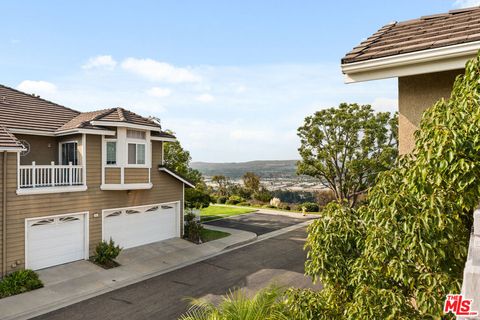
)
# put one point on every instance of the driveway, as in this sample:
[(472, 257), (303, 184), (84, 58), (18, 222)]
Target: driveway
[(277, 260), (259, 222)]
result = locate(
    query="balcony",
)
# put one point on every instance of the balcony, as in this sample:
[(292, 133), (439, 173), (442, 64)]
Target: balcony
[(36, 179)]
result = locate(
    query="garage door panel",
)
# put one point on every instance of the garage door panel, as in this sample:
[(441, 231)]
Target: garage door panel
[(55, 241), (146, 225)]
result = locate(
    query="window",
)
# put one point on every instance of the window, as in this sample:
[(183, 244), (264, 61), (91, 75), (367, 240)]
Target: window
[(69, 153), (136, 153), (111, 152), (135, 134)]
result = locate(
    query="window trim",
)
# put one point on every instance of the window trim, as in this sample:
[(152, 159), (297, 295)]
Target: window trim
[(136, 165)]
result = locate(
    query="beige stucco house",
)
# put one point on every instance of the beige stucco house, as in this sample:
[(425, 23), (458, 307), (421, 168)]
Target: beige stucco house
[(70, 179), (425, 54)]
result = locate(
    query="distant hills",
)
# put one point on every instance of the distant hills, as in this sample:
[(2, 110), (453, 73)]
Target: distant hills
[(264, 168)]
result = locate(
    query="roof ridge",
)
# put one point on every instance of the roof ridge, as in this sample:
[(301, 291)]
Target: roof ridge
[(144, 118), (38, 97), (121, 115)]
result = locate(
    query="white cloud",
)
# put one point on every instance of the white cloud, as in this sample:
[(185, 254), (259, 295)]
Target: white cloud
[(159, 92), (159, 71), (385, 104), (37, 87), (106, 62), (466, 3), (205, 98)]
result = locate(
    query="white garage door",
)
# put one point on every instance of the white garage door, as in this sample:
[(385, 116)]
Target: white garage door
[(55, 240), (135, 226)]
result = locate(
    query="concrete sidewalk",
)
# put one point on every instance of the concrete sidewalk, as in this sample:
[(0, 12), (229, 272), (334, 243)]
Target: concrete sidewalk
[(77, 281)]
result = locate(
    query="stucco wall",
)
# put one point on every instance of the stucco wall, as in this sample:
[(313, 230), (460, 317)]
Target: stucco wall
[(415, 95)]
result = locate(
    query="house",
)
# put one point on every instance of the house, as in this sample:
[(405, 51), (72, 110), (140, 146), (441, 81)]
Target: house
[(70, 179), (425, 54)]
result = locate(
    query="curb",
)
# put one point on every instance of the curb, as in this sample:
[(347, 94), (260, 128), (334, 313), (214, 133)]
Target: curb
[(114, 286)]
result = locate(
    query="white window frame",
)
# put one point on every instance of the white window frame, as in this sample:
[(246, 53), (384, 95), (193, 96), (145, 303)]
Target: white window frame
[(137, 165), (148, 153), (116, 154)]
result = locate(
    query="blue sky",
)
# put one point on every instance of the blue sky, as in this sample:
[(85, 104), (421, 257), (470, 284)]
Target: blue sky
[(233, 79)]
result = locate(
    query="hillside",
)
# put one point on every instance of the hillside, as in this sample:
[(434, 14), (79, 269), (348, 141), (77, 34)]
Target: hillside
[(235, 170)]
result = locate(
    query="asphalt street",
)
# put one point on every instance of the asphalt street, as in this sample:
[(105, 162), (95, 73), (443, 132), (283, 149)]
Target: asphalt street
[(278, 260)]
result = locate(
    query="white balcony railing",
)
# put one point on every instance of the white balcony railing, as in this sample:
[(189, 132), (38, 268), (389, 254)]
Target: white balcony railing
[(44, 176)]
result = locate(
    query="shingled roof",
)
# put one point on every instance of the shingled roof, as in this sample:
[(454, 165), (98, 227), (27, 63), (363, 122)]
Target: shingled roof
[(19, 110), (24, 111), (8, 140), (427, 32)]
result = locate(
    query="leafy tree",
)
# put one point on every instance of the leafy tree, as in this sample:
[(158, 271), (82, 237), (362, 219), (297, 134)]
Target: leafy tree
[(178, 159), (401, 253), (222, 183), (346, 147), (251, 181)]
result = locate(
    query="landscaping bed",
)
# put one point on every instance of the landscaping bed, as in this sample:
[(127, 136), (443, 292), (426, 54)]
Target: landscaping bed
[(19, 282)]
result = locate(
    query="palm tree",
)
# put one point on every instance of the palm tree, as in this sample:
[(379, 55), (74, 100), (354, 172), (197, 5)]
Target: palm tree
[(237, 306)]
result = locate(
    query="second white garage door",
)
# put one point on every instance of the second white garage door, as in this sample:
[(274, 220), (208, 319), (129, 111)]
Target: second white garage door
[(136, 226)]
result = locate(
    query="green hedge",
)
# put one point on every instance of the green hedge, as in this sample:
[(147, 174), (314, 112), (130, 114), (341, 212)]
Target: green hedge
[(18, 282)]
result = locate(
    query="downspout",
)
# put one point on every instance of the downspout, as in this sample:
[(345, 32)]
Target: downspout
[(4, 216)]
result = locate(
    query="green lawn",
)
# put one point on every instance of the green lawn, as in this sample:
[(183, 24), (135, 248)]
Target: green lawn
[(217, 212), (210, 235)]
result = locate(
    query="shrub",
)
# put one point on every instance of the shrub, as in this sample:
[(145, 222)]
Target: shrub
[(275, 202), (284, 206), (263, 195), (197, 198), (265, 305), (222, 200), (310, 207), (306, 304), (245, 204), (106, 252), (234, 200), (18, 282), (269, 206), (192, 229)]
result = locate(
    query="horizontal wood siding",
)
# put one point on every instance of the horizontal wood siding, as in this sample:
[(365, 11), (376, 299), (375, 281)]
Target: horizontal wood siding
[(165, 189), (112, 175), (136, 175)]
